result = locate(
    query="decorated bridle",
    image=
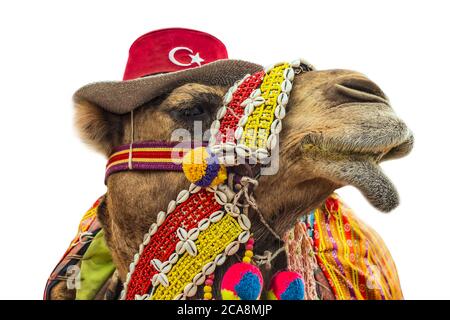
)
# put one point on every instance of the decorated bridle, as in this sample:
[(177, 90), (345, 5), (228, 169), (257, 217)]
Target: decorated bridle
[(209, 222)]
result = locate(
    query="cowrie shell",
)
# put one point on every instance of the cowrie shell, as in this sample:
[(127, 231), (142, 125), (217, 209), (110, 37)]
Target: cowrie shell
[(153, 229), (179, 297), (229, 146), (165, 267), (296, 63), (180, 248), (190, 247), (227, 160), (199, 279), (220, 259), (214, 130), (221, 197), (173, 258), (249, 109), (232, 210), (146, 239), (193, 188), (136, 258), (182, 196), (289, 74), (238, 133), (286, 86), (193, 233), (244, 222), (216, 216), (272, 141), (275, 128), (232, 248), (182, 234), (268, 68), (246, 102), (162, 278), (190, 290), (172, 205), (221, 112), (258, 101), (203, 224), (127, 279), (242, 150), (131, 267), (215, 124), (244, 236), (255, 93), (283, 99), (160, 218), (141, 248), (280, 112), (216, 149), (261, 154), (209, 268), (243, 121), (228, 97), (212, 140), (156, 263)]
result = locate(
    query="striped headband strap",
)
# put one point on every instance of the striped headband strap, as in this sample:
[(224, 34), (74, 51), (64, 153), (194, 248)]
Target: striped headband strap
[(149, 155)]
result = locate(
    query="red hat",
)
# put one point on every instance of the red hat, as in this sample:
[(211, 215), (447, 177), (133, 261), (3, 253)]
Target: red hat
[(169, 50), (162, 60)]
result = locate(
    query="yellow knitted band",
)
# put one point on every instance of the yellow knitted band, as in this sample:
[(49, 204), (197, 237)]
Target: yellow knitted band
[(257, 128)]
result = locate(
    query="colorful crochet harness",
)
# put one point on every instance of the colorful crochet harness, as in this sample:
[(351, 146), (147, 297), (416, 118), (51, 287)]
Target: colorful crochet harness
[(204, 224), (207, 223)]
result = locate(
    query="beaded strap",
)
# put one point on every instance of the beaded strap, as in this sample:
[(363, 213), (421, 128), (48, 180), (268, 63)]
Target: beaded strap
[(248, 124), (196, 233)]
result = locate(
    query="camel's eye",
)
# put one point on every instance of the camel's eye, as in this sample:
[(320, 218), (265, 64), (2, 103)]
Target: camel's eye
[(194, 112), (191, 112)]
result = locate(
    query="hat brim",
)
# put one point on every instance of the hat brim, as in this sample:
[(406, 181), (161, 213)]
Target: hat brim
[(123, 96)]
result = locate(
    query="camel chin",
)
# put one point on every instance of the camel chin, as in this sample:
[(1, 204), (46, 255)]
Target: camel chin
[(369, 178)]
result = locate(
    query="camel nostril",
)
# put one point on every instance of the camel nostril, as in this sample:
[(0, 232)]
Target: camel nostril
[(361, 89)]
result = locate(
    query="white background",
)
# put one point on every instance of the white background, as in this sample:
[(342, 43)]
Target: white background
[(50, 48)]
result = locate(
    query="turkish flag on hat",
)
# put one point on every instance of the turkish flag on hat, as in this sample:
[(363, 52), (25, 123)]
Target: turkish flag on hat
[(169, 50)]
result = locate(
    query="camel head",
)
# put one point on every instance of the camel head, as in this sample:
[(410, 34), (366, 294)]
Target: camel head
[(338, 128)]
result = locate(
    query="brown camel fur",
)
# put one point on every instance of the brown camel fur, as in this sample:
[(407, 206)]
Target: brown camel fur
[(339, 126)]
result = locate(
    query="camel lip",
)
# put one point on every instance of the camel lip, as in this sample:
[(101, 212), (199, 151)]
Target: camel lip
[(385, 148)]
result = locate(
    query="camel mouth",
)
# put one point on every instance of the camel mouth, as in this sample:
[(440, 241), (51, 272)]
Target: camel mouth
[(394, 143), (352, 161)]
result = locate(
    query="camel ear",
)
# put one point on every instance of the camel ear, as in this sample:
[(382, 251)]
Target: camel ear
[(97, 127)]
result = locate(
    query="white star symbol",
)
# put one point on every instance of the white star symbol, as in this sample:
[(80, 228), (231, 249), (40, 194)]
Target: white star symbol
[(196, 59)]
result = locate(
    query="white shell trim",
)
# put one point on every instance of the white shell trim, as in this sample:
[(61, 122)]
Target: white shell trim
[(249, 104)]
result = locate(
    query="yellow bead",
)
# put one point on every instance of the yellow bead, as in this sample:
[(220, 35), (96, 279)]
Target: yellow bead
[(246, 259), (249, 253), (208, 296), (207, 289)]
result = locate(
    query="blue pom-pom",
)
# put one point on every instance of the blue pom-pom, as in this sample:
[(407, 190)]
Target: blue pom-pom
[(249, 287)]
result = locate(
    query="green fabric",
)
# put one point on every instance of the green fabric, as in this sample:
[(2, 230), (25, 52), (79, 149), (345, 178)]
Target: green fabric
[(96, 268)]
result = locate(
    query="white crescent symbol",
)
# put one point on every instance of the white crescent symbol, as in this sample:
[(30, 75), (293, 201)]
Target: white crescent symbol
[(175, 61)]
